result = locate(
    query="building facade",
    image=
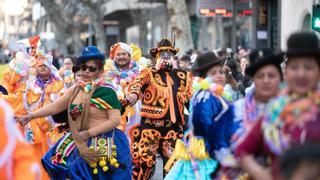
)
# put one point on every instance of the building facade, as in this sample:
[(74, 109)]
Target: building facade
[(295, 16)]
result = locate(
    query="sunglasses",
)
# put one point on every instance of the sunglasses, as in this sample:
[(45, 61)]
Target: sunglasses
[(91, 68)]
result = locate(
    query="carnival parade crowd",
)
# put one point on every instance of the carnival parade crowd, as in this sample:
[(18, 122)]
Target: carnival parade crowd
[(252, 114)]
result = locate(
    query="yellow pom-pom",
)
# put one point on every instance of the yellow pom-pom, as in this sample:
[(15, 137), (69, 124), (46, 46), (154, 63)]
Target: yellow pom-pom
[(102, 163), (93, 165), (204, 84), (113, 161), (91, 149), (114, 147), (196, 86), (95, 171), (116, 165), (105, 168)]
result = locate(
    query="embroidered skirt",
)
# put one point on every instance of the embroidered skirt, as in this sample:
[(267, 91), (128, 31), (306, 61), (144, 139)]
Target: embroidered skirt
[(64, 161)]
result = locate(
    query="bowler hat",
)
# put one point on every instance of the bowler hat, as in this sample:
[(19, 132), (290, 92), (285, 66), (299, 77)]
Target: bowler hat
[(205, 61), (303, 44), (3, 90), (164, 45), (262, 57), (75, 68), (90, 52)]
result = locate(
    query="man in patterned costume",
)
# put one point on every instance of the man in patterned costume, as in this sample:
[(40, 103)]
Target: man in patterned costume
[(165, 92)]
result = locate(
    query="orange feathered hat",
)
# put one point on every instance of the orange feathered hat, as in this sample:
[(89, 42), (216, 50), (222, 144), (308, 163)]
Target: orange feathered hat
[(33, 41)]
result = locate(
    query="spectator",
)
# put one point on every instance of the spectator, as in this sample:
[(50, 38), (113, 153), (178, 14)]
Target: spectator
[(184, 63), (301, 162)]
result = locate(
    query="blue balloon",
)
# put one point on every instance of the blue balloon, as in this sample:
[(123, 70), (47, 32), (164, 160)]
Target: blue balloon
[(123, 75)]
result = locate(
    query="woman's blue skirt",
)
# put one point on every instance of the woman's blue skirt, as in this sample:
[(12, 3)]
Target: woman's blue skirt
[(75, 166)]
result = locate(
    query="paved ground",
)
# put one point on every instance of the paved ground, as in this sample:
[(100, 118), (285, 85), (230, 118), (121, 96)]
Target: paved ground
[(158, 173)]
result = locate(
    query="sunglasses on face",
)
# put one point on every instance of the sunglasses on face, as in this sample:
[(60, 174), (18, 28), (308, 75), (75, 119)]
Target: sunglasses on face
[(91, 68), (166, 55)]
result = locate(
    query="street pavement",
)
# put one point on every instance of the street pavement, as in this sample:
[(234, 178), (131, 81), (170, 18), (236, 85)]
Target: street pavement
[(158, 172)]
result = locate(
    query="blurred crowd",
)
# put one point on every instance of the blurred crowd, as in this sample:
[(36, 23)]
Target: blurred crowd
[(210, 114)]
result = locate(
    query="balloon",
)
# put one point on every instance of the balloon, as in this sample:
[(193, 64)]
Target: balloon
[(67, 73), (130, 73), (196, 86), (123, 75), (205, 84), (227, 96), (128, 79), (219, 90), (23, 73), (213, 88)]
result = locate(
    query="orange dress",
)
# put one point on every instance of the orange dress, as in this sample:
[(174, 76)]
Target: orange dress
[(15, 85), (35, 97), (17, 158)]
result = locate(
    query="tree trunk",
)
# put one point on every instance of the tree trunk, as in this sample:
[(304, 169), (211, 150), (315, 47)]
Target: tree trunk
[(143, 30), (61, 37), (96, 18), (76, 41), (180, 24), (60, 24), (100, 34)]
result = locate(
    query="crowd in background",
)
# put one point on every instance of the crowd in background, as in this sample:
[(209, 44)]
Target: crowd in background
[(211, 114)]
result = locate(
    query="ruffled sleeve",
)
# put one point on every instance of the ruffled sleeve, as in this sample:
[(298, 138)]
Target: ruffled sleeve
[(9, 80), (212, 119), (205, 107)]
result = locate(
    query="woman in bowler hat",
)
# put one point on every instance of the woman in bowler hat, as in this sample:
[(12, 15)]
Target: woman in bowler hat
[(212, 115), (291, 118), (94, 148)]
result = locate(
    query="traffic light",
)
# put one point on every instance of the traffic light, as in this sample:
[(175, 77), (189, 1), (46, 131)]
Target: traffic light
[(315, 22)]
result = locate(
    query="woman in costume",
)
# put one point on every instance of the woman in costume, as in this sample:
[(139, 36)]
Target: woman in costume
[(66, 72), (291, 117), (266, 72), (209, 111), (17, 158), (94, 148), (212, 114)]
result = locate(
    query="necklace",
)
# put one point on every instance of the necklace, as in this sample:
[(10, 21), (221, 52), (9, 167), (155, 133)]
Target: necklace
[(122, 78)]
